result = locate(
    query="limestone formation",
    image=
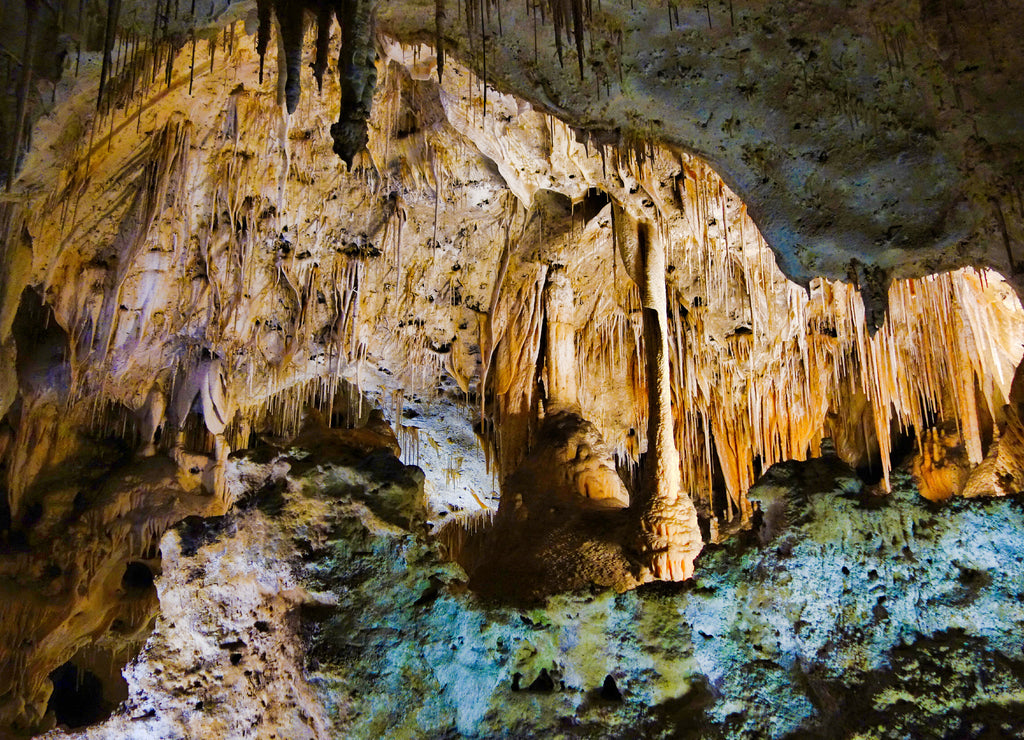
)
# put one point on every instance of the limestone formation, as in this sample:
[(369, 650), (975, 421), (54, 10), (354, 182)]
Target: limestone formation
[(600, 270), (560, 359), (271, 624)]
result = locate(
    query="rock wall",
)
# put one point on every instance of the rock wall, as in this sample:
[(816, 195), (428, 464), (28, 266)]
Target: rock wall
[(187, 267), (314, 610), (208, 240)]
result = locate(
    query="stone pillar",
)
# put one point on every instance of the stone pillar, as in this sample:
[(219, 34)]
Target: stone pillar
[(562, 391), (669, 539)]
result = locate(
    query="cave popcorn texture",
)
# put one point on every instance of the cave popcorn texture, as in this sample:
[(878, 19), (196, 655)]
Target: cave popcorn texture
[(892, 620)]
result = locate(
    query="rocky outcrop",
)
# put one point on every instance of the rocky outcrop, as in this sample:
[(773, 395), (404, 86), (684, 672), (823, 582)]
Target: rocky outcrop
[(78, 580), (1002, 471), (312, 610)]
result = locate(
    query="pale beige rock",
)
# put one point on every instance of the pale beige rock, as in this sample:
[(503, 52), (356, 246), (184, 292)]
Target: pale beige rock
[(186, 226)]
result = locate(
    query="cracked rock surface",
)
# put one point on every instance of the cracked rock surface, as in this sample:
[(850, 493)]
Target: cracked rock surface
[(312, 610)]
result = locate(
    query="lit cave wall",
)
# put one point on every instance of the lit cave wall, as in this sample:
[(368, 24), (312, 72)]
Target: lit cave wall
[(504, 369)]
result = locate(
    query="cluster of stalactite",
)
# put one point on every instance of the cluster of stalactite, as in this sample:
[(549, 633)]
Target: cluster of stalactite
[(762, 370), (135, 49), (272, 303), (136, 46), (242, 277), (205, 274), (356, 55)]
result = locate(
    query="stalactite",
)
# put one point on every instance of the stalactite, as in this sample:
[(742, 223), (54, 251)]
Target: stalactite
[(110, 38), (24, 84), (459, 531), (759, 370), (324, 20), (577, 31), (264, 10), (291, 20), (439, 20), (358, 76), (192, 64)]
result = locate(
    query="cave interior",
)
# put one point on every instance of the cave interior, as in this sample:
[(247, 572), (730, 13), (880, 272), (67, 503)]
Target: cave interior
[(629, 368)]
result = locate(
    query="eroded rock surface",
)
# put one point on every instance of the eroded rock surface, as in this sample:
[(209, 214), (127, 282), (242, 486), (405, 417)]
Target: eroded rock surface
[(186, 267), (313, 611)]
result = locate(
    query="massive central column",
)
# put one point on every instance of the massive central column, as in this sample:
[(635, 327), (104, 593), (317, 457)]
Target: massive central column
[(669, 536)]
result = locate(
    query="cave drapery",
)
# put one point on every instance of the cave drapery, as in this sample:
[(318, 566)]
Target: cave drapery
[(645, 251)]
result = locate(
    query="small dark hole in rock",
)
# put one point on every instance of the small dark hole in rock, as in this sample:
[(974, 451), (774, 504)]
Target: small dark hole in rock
[(137, 577), (609, 691), (543, 682), (77, 698)]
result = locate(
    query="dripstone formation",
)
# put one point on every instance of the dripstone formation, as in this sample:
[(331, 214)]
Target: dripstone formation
[(557, 367)]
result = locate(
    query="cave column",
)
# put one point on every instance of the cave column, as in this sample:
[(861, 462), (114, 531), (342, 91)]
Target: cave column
[(669, 537), (211, 383), (562, 391)]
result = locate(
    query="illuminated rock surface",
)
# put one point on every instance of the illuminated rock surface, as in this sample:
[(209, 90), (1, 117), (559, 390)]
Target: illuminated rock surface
[(313, 610), (670, 249)]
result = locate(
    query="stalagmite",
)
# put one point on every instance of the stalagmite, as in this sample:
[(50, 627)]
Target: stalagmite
[(561, 341), (452, 281), (669, 537), (209, 278)]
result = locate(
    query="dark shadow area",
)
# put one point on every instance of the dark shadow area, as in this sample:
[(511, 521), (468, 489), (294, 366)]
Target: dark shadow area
[(137, 578), (951, 669), (42, 345), (77, 699), (594, 201)]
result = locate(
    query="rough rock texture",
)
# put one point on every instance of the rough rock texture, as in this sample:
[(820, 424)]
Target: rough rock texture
[(561, 524), (868, 139), (186, 266), (78, 588), (208, 229), (313, 610)]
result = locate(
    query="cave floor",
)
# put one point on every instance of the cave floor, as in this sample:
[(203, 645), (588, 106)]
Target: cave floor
[(319, 607)]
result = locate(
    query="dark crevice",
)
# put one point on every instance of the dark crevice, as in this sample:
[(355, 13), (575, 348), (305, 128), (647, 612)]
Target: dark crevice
[(77, 699)]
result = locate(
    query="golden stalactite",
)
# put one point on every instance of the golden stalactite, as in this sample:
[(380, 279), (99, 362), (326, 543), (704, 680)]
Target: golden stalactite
[(300, 277)]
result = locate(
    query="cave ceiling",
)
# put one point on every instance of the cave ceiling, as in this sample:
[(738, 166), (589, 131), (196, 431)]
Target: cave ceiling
[(209, 234), (861, 136), (217, 217)]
